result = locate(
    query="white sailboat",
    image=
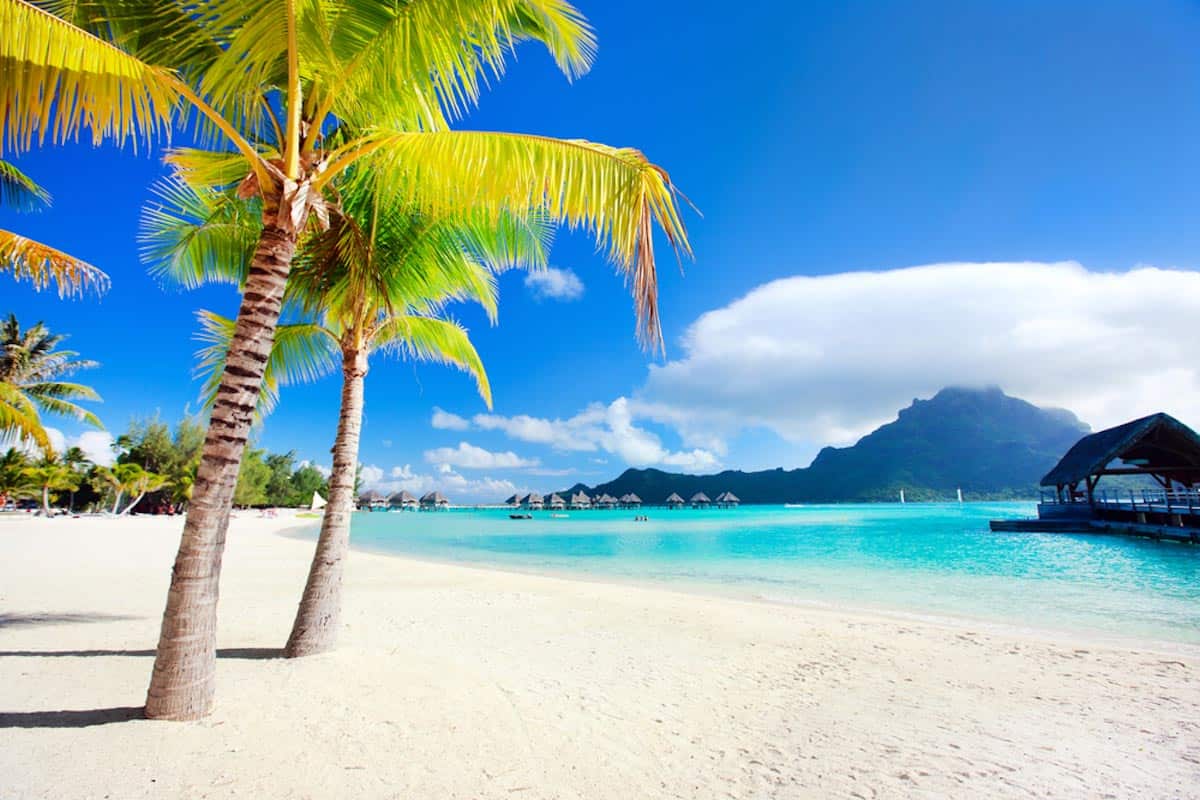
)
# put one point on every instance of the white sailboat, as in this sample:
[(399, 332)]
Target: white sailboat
[(318, 502), (960, 495), (901, 495)]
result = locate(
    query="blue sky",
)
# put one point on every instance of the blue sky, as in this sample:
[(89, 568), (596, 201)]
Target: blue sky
[(1038, 151)]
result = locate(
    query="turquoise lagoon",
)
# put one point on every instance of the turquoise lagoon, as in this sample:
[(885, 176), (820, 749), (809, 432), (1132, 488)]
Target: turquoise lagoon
[(923, 560)]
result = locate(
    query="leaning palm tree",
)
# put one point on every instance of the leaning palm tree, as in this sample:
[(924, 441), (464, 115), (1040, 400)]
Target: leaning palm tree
[(357, 82), (377, 279), (51, 475), (31, 372), (32, 261), (131, 479)]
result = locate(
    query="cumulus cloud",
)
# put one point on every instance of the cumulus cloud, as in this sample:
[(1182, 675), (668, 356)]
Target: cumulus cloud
[(469, 456), (96, 445), (444, 420), (458, 488), (554, 284), (599, 427), (826, 359)]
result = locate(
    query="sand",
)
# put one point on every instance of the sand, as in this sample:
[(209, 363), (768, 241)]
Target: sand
[(454, 682)]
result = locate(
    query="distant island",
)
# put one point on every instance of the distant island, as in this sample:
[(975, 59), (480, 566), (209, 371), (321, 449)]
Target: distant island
[(983, 441)]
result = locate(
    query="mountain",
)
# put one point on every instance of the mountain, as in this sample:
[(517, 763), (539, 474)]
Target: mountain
[(983, 441)]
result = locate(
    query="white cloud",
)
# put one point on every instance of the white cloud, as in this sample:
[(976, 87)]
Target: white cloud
[(554, 284), (598, 427), (472, 457), (96, 445), (444, 420), (825, 359), (456, 487)]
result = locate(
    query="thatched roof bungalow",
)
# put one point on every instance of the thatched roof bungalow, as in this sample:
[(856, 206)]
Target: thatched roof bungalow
[(533, 500), (700, 500), (403, 500), (675, 501), (631, 500), (555, 501), (372, 501), (727, 500), (434, 501), (605, 501), (581, 501)]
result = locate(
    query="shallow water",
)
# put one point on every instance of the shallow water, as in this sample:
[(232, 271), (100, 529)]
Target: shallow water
[(930, 560)]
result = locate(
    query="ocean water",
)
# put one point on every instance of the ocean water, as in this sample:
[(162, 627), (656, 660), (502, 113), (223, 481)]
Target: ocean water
[(925, 560)]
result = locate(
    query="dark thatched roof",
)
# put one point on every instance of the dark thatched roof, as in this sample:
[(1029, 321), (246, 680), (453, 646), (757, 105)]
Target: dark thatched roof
[(1157, 444), (700, 497), (728, 497), (434, 498), (674, 498), (401, 498)]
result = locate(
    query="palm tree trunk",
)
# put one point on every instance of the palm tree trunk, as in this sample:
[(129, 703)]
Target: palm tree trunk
[(133, 505), (46, 499), (117, 501), (183, 681), (319, 616)]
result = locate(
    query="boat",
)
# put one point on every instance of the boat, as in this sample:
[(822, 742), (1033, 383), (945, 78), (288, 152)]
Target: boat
[(793, 505), (520, 516), (559, 516)]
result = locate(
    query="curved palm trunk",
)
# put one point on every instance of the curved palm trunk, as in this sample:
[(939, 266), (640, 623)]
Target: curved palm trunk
[(319, 616), (46, 499), (183, 681)]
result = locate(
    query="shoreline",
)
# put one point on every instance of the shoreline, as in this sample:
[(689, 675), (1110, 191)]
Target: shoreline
[(458, 681), (717, 591)]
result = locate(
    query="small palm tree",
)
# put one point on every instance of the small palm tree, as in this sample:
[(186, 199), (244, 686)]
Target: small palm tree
[(32, 261), (52, 475), (31, 367), (130, 479)]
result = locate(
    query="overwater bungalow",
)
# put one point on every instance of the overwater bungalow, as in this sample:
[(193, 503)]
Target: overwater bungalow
[(555, 502), (674, 501), (1158, 460), (605, 501), (533, 501), (631, 500), (434, 501), (727, 500), (580, 501), (372, 501), (514, 501), (403, 501), (700, 500)]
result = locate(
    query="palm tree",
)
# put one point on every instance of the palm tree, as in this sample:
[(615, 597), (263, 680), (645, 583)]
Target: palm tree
[(354, 80), (30, 372), (374, 281), (132, 479), (33, 261), (51, 475)]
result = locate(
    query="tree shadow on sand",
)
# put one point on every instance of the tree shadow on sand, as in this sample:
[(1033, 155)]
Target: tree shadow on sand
[(47, 618), (70, 719), (246, 653), (103, 716)]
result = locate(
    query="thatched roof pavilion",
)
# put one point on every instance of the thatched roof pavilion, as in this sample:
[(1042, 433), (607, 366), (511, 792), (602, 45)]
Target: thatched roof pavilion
[(727, 499), (700, 499), (533, 500), (605, 501), (555, 501), (1158, 446), (674, 500), (581, 500), (631, 500)]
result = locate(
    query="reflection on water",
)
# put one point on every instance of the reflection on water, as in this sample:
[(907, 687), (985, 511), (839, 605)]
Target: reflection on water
[(938, 559)]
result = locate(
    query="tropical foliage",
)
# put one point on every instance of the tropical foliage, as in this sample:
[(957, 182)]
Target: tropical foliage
[(31, 372), (32, 261), (298, 94)]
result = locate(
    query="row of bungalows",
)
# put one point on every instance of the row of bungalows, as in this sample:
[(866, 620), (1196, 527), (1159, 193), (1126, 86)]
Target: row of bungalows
[(701, 500), (402, 501)]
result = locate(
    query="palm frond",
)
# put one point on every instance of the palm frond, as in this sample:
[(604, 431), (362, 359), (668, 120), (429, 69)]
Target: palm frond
[(18, 191), (437, 340), (41, 265), (19, 418), (56, 79), (616, 194), (301, 353), (191, 237)]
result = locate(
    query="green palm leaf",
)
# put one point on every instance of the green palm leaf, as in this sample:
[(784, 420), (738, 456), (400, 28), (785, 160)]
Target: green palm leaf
[(437, 340), (18, 191)]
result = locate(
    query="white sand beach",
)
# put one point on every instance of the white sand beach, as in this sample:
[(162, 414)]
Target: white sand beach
[(463, 683)]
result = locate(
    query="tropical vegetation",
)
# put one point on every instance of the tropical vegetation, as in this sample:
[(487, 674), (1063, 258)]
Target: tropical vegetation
[(297, 94), (32, 368)]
